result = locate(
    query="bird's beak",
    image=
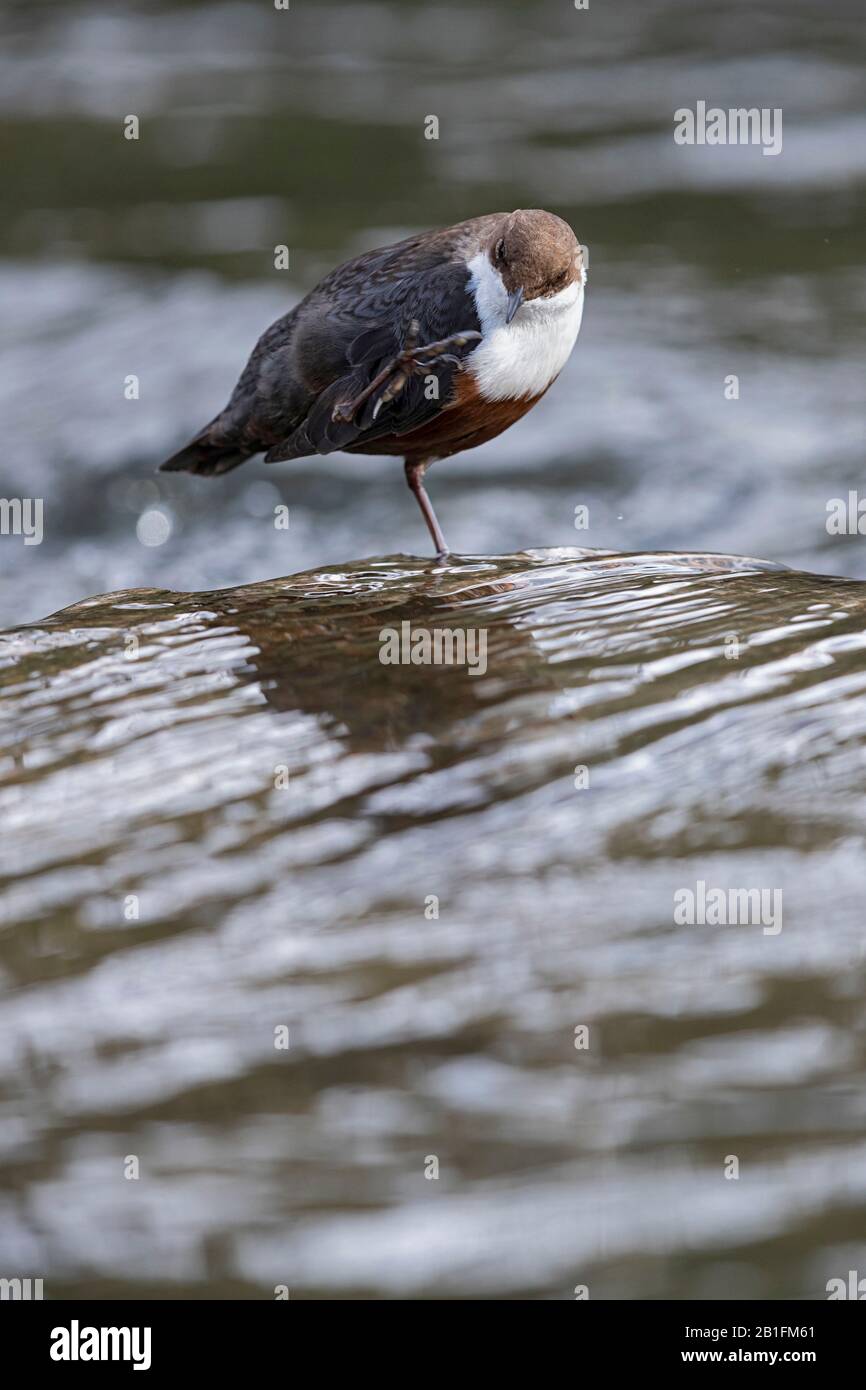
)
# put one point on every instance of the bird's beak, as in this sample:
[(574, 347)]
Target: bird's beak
[(515, 299)]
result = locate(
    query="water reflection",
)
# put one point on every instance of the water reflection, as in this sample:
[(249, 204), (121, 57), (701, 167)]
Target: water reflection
[(166, 905)]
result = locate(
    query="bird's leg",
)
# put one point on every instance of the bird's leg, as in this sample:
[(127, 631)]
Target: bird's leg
[(415, 478), (394, 375)]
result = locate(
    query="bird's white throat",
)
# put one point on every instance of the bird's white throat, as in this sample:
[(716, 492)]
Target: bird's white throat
[(523, 357)]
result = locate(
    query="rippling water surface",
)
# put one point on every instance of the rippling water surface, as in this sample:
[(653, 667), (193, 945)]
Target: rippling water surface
[(223, 816)]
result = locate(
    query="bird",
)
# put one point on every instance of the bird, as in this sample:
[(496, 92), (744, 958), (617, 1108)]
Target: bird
[(420, 349)]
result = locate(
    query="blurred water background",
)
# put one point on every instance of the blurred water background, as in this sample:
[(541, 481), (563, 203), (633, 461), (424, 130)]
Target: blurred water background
[(306, 128), (155, 778)]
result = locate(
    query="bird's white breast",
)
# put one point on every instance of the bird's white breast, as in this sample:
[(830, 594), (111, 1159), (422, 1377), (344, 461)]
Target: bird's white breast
[(523, 357)]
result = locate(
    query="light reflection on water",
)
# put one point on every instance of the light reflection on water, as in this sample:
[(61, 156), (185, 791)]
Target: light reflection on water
[(152, 780)]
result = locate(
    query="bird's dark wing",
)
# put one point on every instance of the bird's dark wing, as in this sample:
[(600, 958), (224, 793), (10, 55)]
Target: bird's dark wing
[(347, 346), (333, 345)]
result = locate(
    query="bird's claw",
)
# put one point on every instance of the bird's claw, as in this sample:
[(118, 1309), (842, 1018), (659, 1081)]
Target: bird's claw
[(396, 373)]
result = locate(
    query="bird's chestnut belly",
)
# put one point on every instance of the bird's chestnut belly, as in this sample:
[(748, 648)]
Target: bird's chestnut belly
[(464, 423)]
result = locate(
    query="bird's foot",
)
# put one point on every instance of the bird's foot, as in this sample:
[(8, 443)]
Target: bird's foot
[(415, 358)]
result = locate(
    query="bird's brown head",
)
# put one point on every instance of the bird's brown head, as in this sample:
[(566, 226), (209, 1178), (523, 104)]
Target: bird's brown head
[(536, 255)]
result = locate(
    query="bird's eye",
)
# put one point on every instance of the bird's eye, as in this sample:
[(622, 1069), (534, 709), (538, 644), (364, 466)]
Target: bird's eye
[(500, 249)]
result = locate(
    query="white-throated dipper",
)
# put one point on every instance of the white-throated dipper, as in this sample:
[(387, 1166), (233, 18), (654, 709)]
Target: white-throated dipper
[(420, 349)]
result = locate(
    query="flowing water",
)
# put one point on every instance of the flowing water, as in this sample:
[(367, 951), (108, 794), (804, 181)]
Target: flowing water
[(305, 128), (222, 815), (225, 816)]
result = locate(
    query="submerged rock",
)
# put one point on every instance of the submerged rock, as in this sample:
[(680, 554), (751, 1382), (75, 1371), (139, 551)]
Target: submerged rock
[(225, 814)]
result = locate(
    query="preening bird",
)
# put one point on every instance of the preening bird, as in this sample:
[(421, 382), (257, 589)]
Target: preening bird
[(421, 349)]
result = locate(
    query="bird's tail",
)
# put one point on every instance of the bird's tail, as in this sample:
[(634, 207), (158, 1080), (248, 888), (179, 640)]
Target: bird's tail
[(206, 456)]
